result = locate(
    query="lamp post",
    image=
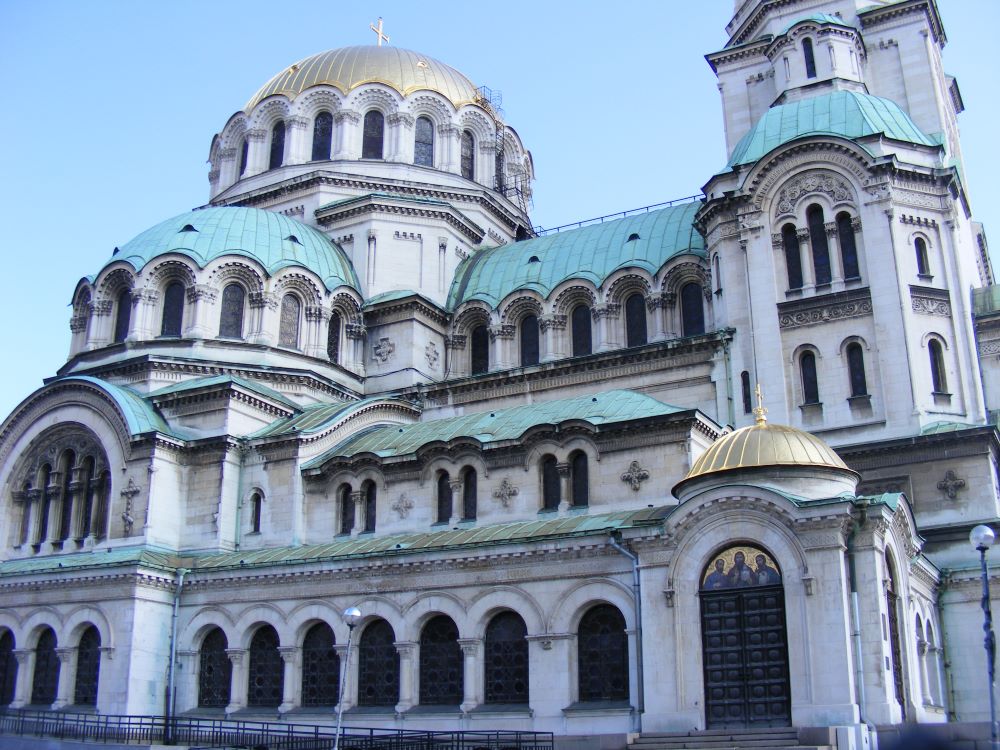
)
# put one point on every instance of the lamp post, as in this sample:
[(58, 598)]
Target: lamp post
[(982, 538), (351, 617)]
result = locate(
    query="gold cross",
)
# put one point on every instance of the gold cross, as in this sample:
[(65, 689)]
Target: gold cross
[(378, 30), (760, 413)]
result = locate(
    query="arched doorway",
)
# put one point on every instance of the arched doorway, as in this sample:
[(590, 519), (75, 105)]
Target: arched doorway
[(744, 643)]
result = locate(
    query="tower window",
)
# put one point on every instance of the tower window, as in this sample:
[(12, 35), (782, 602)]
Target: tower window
[(579, 479), (692, 310), (370, 504), (346, 510), (848, 247), (939, 380), (322, 136), (580, 322), (635, 320), (256, 503), (820, 246), (277, 146), (123, 315), (231, 317), (810, 58), (244, 153), (468, 155), (856, 370), (173, 309), (793, 258), (470, 492), (288, 325), (529, 340), (923, 262), (745, 383), (810, 386), (444, 497), (480, 350), (423, 142), (373, 134), (550, 484)]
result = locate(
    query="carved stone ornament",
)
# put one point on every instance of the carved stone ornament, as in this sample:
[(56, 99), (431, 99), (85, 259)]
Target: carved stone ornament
[(951, 484), (930, 305), (505, 492), (432, 354), (130, 491), (835, 187), (382, 351), (634, 476), (402, 505)]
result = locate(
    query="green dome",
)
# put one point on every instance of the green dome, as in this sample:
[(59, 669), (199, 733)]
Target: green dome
[(847, 114), (646, 240), (273, 240)]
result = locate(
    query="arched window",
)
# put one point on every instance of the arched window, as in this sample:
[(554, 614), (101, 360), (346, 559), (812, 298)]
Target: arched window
[(256, 505), (468, 155), (231, 316), (716, 274), (506, 660), (443, 497), (810, 387), (635, 320), (67, 463), (288, 326), (423, 142), (692, 310), (820, 246), (581, 332), (370, 493), (810, 58), (848, 247), (346, 510), (939, 380), (123, 314), (173, 309), (89, 489), (892, 594), (602, 655), (529, 340), (923, 262), (103, 494), (374, 132), (244, 153), (215, 671), (551, 494), (320, 667), (793, 258), (470, 494), (333, 338), (378, 666), (277, 157), (747, 399), (856, 370), (46, 678), (44, 474), (266, 671), (88, 668), (480, 350), (322, 136), (579, 480), (441, 667), (8, 668)]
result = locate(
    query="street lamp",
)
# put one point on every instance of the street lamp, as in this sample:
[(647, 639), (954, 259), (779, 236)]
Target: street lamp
[(982, 538), (351, 617)]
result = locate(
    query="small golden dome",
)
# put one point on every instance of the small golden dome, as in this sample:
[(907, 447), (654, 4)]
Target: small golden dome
[(349, 67)]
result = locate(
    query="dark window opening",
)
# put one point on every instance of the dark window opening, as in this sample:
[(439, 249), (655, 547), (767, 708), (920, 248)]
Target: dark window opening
[(939, 381), (214, 671), (320, 667), (848, 246), (602, 655), (579, 479), (793, 258), (582, 337), (8, 668), (288, 324), (807, 53), (856, 370), (441, 667), (244, 152), (692, 310), (378, 666), (423, 142), (173, 309), (373, 134), (810, 386), (506, 660), (444, 498), (66, 517), (88, 668), (470, 493), (551, 494), (820, 245), (46, 678), (529, 340), (468, 166), (266, 671), (277, 157), (480, 350), (370, 502), (255, 508), (333, 338), (123, 314), (635, 320), (322, 136), (745, 383), (231, 316), (923, 264), (346, 510)]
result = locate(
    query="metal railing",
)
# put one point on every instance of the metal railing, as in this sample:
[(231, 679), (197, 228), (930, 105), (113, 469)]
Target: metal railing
[(262, 735), (541, 231)]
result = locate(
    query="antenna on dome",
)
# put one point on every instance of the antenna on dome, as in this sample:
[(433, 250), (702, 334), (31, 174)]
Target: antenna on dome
[(760, 412), (378, 31)]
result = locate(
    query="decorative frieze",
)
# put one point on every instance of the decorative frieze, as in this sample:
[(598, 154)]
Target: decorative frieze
[(831, 185), (855, 303)]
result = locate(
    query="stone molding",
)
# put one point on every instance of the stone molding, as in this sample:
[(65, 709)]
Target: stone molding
[(854, 303)]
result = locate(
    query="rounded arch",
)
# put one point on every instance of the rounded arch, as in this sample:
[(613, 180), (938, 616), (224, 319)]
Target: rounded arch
[(485, 605), (299, 284), (45, 618), (232, 132), (518, 306), (582, 596), (113, 281), (249, 275), (469, 317), (473, 119), (269, 112), (252, 618), (431, 105), (318, 99), (81, 618), (623, 284), (164, 270), (428, 606), (377, 607), (305, 615), (202, 622), (852, 339), (374, 96), (572, 294)]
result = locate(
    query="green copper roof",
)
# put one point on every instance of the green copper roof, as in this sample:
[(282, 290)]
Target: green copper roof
[(216, 380), (936, 428), (140, 556), (395, 544), (500, 424), (273, 240), (593, 253), (821, 18), (848, 114), (316, 418), (140, 416)]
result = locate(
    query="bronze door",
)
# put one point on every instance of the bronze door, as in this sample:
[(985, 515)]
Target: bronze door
[(745, 657)]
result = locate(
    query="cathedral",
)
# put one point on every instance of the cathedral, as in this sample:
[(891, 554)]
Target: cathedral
[(702, 467)]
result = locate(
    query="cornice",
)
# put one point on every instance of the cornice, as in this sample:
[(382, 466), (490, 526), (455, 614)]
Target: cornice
[(974, 441), (371, 205), (879, 15)]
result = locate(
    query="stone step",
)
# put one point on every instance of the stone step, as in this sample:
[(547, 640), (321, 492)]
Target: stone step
[(723, 739)]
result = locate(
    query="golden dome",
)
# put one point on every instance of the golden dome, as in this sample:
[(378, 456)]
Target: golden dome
[(349, 67)]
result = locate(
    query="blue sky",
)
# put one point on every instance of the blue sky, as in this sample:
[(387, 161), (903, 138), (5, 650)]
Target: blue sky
[(110, 106)]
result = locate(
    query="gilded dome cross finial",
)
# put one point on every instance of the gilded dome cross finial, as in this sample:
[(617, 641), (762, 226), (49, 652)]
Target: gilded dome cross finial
[(760, 412), (378, 31)]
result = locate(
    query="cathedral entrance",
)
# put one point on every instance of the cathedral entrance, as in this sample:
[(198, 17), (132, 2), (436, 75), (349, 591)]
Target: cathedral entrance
[(744, 644)]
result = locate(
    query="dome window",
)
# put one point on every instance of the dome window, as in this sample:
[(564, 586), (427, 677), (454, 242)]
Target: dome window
[(293, 238), (534, 259), (277, 156), (374, 129), (322, 136), (632, 237), (468, 150), (423, 143), (187, 228)]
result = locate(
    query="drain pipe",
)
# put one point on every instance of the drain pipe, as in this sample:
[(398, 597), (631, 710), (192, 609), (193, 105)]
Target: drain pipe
[(637, 597), (859, 667), (173, 654)]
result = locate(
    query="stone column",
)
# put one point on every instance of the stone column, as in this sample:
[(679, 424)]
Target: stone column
[(24, 499), (654, 304), (401, 137), (101, 324), (836, 260), (358, 498), (925, 685), (565, 486), (291, 688), (201, 302), (238, 686), (551, 331), (458, 363), (346, 134), (186, 682), (354, 334), (457, 496), (55, 493), (77, 498), (501, 337), (346, 676), (227, 169), (471, 682), (297, 133), (448, 140), (407, 664), (78, 330), (257, 152), (143, 323), (263, 326), (67, 677), (806, 260), (25, 674), (317, 320), (608, 335)]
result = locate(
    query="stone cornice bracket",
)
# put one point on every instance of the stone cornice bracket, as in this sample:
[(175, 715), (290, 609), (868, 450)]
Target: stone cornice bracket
[(257, 134), (555, 321), (263, 299), (348, 115), (401, 118), (298, 123), (201, 291)]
